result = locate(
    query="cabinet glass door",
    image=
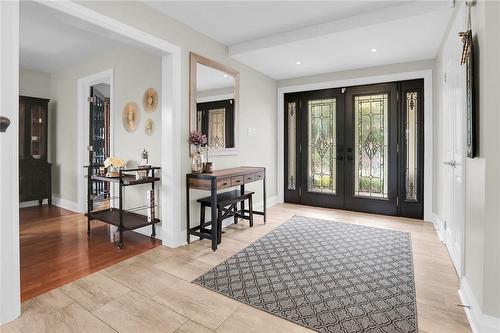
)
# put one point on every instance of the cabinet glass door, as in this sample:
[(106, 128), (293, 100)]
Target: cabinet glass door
[(38, 132)]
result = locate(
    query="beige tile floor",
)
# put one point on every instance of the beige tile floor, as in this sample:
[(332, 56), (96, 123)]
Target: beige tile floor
[(152, 292)]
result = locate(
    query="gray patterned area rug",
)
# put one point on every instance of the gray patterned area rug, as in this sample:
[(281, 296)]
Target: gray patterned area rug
[(327, 276)]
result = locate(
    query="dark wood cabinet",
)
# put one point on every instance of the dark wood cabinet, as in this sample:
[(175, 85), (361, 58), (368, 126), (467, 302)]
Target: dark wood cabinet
[(35, 172)]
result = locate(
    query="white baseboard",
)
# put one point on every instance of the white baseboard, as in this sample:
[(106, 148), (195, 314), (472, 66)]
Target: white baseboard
[(27, 204), (65, 204), (56, 201), (438, 225), (479, 322)]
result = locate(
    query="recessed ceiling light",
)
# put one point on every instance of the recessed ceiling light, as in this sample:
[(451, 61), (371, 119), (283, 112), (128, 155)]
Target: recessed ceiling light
[(297, 62), (374, 50), (225, 75)]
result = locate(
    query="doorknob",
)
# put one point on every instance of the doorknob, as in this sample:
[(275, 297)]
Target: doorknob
[(4, 123), (451, 163)]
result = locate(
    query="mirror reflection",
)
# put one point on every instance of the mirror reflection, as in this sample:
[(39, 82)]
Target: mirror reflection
[(215, 106)]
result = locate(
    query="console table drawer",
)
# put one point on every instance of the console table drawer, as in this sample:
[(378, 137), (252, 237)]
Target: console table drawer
[(259, 175), (249, 178), (223, 183), (235, 181)]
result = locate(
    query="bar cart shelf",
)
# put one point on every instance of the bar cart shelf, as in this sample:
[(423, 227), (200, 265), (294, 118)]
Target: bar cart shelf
[(123, 219)]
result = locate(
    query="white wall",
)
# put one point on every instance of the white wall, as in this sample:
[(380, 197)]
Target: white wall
[(482, 246), (257, 98), (34, 83), (134, 72)]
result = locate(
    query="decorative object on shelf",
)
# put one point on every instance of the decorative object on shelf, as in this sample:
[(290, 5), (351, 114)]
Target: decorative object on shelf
[(144, 157), (130, 116), (208, 167), (467, 59), (149, 126), (114, 164), (4, 124), (150, 100), (197, 139), (141, 174)]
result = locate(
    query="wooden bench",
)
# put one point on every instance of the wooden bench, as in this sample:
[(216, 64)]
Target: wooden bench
[(227, 206)]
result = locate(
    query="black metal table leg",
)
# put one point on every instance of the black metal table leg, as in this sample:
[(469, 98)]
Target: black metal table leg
[(264, 193), (188, 205), (90, 203), (213, 202), (242, 205), (120, 203), (153, 229)]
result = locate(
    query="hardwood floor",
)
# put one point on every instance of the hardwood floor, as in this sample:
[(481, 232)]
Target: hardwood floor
[(152, 292), (55, 249)]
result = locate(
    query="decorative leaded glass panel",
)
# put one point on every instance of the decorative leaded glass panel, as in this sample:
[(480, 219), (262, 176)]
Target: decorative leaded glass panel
[(411, 145), (371, 145), (322, 146), (292, 145), (217, 128)]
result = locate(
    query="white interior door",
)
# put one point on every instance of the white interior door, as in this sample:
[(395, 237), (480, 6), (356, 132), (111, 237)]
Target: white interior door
[(454, 106)]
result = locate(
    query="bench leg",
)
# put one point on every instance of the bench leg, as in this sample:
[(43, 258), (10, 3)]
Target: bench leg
[(235, 210), (250, 210), (202, 215)]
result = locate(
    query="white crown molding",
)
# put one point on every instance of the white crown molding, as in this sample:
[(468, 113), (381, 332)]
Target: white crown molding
[(479, 322)]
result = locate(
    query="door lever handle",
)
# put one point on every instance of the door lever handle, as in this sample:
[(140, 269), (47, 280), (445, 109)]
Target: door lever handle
[(452, 163)]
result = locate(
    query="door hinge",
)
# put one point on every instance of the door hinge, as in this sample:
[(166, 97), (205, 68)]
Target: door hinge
[(90, 148), (397, 96), (397, 201), (300, 148), (91, 99), (397, 148), (343, 90)]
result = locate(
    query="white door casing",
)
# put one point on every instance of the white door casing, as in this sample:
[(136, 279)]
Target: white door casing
[(454, 194), (171, 231), (83, 108)]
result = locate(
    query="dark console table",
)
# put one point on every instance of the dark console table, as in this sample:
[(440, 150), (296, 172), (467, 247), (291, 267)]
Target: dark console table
[(119, 217), (222, 179)]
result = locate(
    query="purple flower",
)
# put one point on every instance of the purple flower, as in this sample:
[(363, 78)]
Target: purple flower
[(197, 138)]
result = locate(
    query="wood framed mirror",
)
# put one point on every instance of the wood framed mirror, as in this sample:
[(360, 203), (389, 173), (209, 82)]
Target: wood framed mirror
[(214, 104)]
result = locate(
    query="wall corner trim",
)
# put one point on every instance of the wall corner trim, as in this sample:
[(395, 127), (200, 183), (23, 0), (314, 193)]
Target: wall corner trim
[(479, 322)]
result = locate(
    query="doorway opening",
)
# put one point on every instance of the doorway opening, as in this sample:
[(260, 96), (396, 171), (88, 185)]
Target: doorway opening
[(357, 148)]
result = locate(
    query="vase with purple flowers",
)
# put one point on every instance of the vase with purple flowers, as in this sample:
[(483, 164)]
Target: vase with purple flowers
[(199, 140)]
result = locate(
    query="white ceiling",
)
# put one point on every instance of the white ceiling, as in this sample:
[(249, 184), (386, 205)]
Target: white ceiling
[(325, 36), (50, 41), (231, 22), (208, 79)]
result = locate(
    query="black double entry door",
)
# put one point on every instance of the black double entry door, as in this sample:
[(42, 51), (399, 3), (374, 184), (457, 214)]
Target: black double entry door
[(357, 148)]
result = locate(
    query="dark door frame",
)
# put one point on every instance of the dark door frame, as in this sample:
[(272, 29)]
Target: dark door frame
[(413, 209)]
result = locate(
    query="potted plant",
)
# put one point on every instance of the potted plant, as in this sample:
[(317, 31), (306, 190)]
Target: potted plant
[(197, 139)]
